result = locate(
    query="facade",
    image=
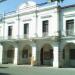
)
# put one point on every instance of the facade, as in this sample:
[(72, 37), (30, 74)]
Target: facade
[(38, 35)]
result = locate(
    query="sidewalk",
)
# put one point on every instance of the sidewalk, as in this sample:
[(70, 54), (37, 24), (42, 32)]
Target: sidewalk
[(9, 69)]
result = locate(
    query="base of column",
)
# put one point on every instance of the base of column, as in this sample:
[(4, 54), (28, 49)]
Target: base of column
[(33, 62), (55, 64)]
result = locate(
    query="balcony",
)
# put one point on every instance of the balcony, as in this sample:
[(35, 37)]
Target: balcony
[(44, 34), (25, 36), (68, 33), (16, 37)]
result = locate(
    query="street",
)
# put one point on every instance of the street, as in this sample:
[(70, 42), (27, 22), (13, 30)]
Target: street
[(29, 70)]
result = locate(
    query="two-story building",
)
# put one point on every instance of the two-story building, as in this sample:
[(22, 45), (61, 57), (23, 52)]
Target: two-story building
[(38, 34)]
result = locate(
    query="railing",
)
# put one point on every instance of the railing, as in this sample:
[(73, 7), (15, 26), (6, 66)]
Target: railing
[(26, 36), (68, 33), (16, 37), (44, 34)]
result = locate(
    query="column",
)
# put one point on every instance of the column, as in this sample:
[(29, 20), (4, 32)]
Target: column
[(34, 55), (61, 60), (1, 54), (66, 56), (16, 56), (56, 56)]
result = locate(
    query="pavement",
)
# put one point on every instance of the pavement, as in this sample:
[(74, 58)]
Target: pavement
[(34, 70)]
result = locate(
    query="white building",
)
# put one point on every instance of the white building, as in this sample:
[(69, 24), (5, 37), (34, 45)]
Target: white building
[(38, 35)]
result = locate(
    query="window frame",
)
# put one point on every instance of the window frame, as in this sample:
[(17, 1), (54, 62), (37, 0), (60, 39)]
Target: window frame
[(45, 26), (69, 27), (26, 29), (10, 30)]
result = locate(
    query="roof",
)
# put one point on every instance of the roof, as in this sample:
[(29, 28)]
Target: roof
[(68, 6)]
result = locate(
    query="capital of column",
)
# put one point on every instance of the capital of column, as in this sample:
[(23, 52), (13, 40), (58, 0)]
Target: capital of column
[(16, 43), (1, 43)]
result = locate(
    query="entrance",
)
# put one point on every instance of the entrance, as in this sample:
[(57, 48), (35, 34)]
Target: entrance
[(69, 55), (10, 54), (26, 55), (46, 55)]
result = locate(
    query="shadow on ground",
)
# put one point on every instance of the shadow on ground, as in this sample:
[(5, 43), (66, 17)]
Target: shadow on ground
[(3, 67), (4, 74)]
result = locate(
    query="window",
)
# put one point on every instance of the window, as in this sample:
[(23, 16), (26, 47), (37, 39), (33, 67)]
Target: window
[(70, 27), (45, 26), (9, 30), (26, 28), (72, 53), (25, 53)]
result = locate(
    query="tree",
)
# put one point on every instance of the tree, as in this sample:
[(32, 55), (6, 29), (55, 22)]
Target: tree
[(55, 0), (2, 1)]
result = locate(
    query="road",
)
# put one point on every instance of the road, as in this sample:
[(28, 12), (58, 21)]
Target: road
[(29, 70)]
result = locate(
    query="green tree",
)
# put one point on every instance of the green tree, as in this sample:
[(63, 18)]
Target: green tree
[(2, 1), (55, 0)]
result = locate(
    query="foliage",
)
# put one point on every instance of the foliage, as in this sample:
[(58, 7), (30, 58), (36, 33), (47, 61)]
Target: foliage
[(55, 0), (2, 1)]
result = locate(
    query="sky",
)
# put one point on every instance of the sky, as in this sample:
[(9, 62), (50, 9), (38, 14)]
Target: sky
[(11, 5)]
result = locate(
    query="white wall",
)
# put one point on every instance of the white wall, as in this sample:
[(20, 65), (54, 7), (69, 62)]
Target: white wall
[(67, 14), (52, 17), (48, 13), (11, 22), (1, 31), (31, 19)]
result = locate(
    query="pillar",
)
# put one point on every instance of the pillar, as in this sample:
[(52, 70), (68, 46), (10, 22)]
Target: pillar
[(56, 56), (61, 60), (1, 54), (67, 56), (16, 56), (34, 55)]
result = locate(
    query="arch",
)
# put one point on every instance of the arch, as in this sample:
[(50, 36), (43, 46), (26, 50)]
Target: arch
[(26, 54), (69, 54), (10, 54), (46, 55)]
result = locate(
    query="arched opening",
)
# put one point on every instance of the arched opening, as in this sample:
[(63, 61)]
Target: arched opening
[(26, 55), (10, 54), (69, 55), (46, 55)]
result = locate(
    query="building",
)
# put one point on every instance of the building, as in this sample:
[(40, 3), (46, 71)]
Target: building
[(38, 35)]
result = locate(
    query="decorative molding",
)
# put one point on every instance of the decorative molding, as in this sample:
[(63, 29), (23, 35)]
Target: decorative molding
[(69, 15), (47, 16), (26, 20), (11, 22)]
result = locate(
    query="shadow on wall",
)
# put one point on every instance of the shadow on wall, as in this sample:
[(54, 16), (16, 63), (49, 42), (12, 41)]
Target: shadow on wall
[(4, 74)]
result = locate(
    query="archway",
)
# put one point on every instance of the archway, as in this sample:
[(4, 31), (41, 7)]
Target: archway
[(26, 55), (46, 55), (69, 55), (10, 54)]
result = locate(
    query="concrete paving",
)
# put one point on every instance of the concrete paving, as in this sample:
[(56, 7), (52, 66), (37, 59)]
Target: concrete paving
[(29, 70)]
